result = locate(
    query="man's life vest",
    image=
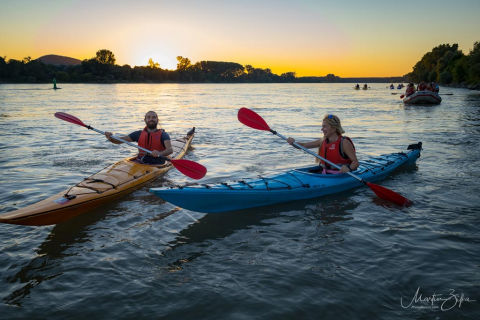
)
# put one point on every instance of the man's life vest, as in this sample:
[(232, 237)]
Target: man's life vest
[(333, 152), (150, 141)]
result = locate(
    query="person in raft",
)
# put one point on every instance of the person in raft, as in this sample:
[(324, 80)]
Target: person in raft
[(333, 147), (151, 138), (422, 86), (410, 90)]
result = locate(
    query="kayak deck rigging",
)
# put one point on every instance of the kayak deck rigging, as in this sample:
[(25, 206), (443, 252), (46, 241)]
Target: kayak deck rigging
[(108, 170), (284, 186), (369, 165)]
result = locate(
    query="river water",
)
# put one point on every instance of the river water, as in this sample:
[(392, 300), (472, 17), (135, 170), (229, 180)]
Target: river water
[(347, 256)]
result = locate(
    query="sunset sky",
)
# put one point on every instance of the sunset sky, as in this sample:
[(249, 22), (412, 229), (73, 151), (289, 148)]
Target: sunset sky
[(311, 38)]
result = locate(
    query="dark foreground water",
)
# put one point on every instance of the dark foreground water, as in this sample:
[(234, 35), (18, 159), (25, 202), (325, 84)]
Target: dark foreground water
[(348, 256)]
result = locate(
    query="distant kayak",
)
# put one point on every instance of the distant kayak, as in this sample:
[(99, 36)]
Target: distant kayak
[(295, 184), (423, 97), (103, 187)]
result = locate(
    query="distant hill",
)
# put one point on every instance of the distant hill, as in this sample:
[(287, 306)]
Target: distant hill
[(59, 60)]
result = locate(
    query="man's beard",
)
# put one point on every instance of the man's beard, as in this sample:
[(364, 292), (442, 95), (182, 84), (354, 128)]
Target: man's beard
[(152, 125)]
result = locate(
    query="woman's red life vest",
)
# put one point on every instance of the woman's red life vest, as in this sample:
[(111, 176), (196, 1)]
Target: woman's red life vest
[(151, 141), (333, 152)]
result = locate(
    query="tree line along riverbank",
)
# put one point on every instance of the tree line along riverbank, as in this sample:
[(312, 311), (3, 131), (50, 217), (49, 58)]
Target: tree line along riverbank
[(445, 64)]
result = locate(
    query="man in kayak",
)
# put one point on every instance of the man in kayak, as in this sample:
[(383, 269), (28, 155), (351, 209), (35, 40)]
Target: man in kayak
[(333, 146), (150, 138)]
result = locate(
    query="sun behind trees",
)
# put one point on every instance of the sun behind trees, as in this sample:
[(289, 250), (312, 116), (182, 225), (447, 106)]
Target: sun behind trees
[(102, 68)]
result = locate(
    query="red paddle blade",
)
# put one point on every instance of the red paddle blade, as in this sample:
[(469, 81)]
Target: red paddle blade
[(189, 168), (252, 119), (389, 195), (68, 117)]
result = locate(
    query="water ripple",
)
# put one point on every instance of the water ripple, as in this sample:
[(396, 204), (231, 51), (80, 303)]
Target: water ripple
[(344, 256)]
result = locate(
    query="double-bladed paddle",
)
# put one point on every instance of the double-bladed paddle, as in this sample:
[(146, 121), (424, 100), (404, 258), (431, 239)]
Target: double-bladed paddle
[(189, 168), (251, 119)]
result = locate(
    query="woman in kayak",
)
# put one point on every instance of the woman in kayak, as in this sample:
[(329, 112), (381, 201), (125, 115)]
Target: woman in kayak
[(151, 138), (333, 146)]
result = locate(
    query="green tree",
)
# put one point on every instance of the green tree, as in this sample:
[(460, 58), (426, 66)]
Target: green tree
[(288, 76), (183, 63), (460, 70), (437, 65), (152, 64), (3, 67), (474, 64), (445, 77), (105, 56)]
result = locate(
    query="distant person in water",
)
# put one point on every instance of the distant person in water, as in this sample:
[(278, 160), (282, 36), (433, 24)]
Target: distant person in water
[(357, 86), (55, 83), (410, 90), (150, 138), (365, 86), (333, 147)]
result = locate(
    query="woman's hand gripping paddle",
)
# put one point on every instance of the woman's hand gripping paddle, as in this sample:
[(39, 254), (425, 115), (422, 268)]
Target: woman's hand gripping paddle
[(253, 120), (189, 168)]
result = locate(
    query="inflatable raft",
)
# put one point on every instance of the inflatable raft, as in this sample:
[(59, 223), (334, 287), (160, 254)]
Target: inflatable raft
[(423, 97)]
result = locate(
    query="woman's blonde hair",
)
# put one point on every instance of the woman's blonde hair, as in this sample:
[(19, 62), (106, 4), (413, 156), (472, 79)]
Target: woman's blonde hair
[(334, 121)]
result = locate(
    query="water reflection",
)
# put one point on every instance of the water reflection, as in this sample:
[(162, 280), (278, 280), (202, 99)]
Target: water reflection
[(473, 97), (193, 242), (50, 254)]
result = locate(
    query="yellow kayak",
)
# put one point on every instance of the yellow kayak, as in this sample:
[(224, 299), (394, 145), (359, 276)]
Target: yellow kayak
[(110, 183)]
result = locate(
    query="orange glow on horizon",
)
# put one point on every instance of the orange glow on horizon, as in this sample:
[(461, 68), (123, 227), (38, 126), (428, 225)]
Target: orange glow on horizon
[(348, 39)]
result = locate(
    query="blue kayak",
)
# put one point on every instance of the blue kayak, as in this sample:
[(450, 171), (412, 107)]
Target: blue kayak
[(294, 184)]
